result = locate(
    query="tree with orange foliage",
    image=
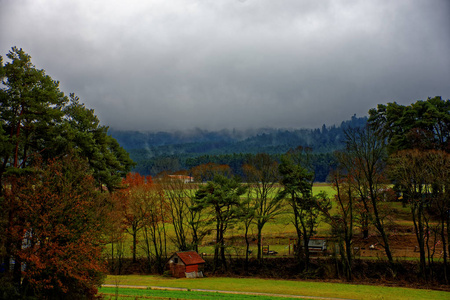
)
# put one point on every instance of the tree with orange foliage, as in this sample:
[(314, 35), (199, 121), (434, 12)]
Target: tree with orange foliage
[(190, 226), (115, 237), (154, 229), (134, 198), (176, 191), (56, 231), (145, 209)]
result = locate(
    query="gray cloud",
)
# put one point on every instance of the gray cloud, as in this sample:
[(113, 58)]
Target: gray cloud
[(166, 65)]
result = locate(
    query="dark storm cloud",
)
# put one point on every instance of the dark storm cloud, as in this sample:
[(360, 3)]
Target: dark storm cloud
[(162, 65)]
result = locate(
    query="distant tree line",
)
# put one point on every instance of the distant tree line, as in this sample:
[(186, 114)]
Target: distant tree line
[(322, 163), (158, 152)]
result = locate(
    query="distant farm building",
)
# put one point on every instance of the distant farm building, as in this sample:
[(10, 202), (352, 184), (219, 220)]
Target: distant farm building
[(184, 178), (318, 246), (187, 264)]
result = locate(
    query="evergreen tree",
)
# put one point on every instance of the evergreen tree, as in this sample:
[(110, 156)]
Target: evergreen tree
[(39, 124), (221, 197)]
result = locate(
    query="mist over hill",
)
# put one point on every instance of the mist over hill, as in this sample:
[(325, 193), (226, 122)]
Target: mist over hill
[(155, 152), (230, 140)]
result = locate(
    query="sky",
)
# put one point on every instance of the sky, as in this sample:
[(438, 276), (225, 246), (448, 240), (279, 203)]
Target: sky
[(162, 65)]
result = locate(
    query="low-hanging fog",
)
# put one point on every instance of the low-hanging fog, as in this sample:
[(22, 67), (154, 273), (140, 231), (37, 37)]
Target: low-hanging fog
[(174, 65)]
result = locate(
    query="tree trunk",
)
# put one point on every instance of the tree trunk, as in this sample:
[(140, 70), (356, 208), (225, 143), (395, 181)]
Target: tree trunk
[(418, 228), (349, 236), (195, 240), (222, 251), (444, 249), (216, 248), (348, 259), (379, 225), (246, 249), (260, 257), (448, 234), (134, 245)]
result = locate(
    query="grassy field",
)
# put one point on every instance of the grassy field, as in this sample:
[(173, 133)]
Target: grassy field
[(285, 287), (324, 187), (130, 293)]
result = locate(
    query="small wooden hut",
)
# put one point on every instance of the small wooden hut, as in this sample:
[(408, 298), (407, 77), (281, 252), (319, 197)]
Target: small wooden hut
[(187, 264)]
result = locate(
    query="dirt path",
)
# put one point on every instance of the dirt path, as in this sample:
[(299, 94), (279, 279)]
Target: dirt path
[(218, 291)]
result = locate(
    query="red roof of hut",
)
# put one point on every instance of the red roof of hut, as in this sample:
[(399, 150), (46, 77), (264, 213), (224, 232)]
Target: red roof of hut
[(190, 258)]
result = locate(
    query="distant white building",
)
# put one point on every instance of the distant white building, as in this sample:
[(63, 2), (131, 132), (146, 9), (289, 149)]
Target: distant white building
[(184, 178)]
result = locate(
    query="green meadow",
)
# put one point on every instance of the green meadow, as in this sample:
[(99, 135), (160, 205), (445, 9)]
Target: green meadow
[(255, 285), (130, 293)]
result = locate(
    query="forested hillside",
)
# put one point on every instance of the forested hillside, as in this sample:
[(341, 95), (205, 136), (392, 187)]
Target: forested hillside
[(164, 151)]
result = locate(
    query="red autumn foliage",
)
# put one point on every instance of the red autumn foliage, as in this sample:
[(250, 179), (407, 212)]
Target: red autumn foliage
[(133, 199), (56, 229), (133, 180)]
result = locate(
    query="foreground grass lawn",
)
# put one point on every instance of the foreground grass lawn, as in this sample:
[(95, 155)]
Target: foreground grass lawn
[(130, 293), (304, 288)]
